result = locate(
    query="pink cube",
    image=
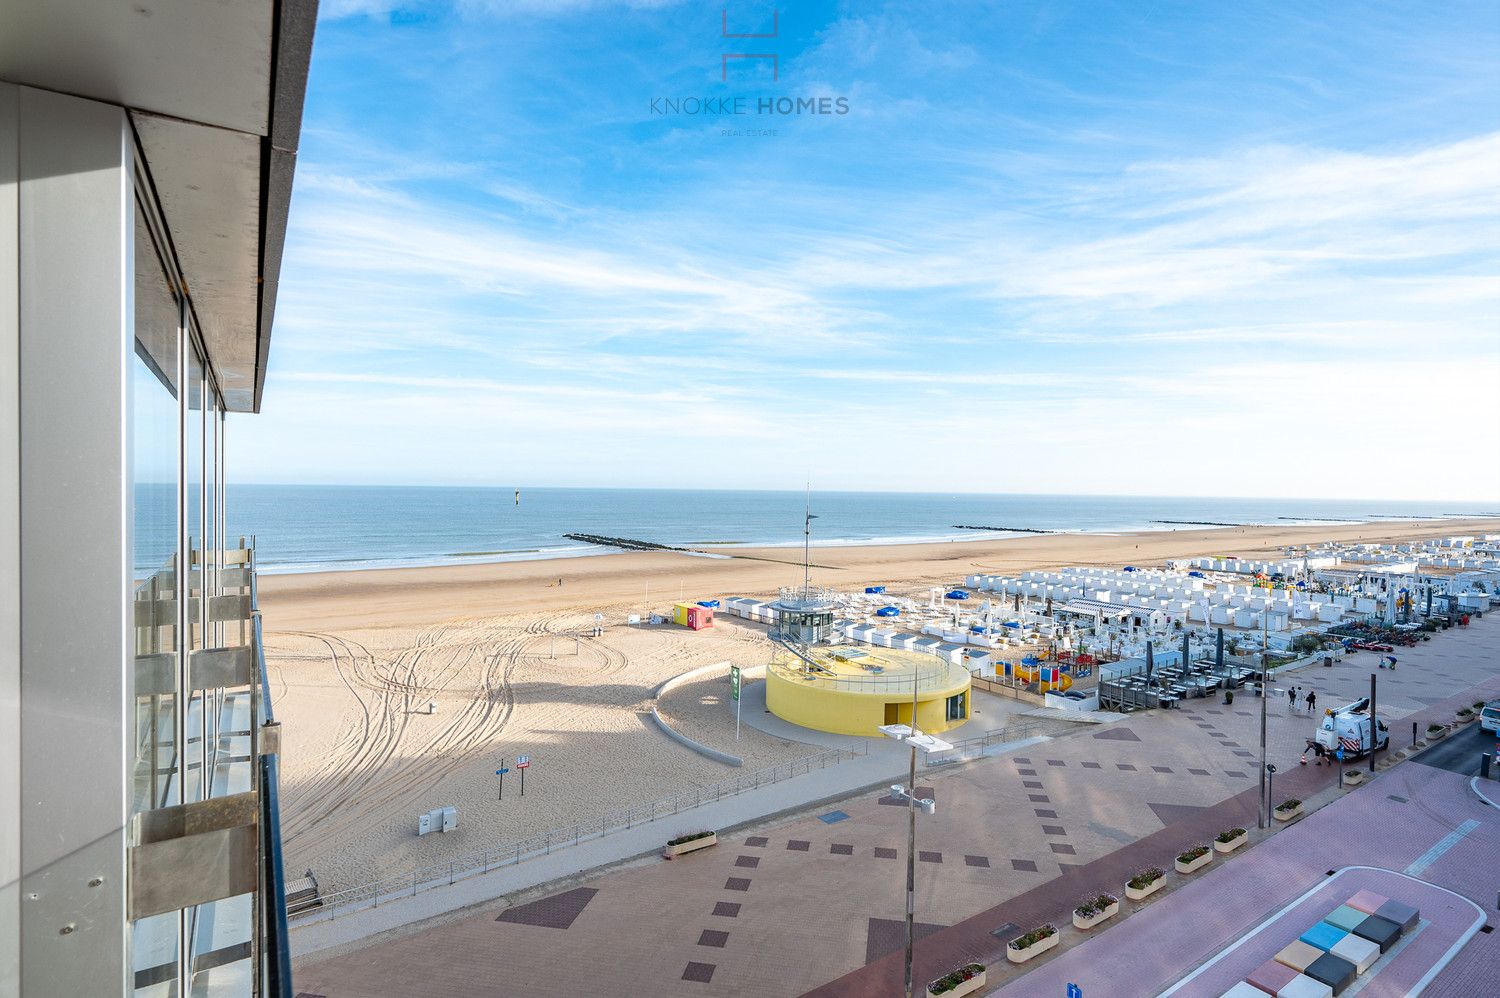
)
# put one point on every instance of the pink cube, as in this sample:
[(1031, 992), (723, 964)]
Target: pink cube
[(1271, 977), (1367, 901)]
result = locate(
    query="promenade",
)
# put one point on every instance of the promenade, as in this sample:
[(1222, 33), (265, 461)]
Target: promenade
[(813, 904)]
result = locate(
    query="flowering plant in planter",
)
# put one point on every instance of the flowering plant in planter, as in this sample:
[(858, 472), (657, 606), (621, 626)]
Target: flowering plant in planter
[(1145, 878), (1033, 937), (950, 981), (1290, 804), (695, 836), (1229, 835), (1094, 905), (1197, 852)]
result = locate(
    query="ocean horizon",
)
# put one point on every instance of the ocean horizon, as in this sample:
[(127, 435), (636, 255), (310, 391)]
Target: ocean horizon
[(314, 528)]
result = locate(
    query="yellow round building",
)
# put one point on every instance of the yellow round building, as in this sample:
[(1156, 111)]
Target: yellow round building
[(853, 691)]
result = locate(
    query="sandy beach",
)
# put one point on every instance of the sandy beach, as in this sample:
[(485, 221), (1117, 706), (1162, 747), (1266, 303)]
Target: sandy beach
[(357, 657)]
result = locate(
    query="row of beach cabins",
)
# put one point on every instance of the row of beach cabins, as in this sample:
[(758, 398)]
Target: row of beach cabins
[(956, 645)]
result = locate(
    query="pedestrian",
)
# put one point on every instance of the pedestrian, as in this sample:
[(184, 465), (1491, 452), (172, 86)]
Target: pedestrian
[(1393, 660), (559, 583), (1291, 696), (1312, 701)]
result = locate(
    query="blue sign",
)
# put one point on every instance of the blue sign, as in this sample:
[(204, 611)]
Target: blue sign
[(502, 772), (1074, 991)]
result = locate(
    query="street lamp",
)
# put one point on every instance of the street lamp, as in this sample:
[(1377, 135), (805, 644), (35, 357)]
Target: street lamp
[(911, 736), (1264, 816)]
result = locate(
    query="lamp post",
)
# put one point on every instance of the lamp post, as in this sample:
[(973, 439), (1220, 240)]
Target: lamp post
[(913, 738), (1264, 818)]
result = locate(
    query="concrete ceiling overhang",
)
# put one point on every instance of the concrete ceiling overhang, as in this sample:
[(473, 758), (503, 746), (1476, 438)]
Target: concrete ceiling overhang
[(215, 90)]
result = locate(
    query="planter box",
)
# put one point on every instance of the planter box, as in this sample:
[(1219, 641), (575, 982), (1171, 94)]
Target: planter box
[(1144, 892), (1354, 778), (967, 987), (1093, 920), (1289, 814), (1036, 949), (1461, 719), (711, 839), (1196, 864), (1224, 848), (1433, 736)]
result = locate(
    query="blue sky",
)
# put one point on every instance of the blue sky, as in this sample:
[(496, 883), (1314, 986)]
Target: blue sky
[(1128, 248)]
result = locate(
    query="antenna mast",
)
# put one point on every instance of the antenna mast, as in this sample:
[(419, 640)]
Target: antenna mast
[(807, 547)]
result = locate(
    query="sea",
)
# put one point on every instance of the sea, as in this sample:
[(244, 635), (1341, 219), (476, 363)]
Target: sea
[(316, 528)]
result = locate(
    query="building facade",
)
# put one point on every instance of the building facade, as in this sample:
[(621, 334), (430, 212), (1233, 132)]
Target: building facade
[(146, 160)]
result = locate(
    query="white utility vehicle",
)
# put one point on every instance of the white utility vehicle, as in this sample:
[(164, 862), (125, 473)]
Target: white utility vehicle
[(1348, 728)]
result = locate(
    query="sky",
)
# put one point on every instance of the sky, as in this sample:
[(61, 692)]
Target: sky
[(1158, 248)]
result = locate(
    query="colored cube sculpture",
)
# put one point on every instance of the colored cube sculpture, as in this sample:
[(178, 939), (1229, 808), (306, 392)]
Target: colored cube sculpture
[(1243, 990), (1358, 951), (1305, 987), (1271, 977), (1324, 936), (1333, 971), (1299, 955), (1403, 915), (1346, 917), (1381, 931), (1368, 902)]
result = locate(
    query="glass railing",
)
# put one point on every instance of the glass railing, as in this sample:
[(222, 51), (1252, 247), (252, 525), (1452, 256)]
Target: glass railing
[(235, 944), (275, 957)]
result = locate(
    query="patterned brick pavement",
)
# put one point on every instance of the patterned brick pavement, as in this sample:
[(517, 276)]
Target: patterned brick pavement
[(822, 895)]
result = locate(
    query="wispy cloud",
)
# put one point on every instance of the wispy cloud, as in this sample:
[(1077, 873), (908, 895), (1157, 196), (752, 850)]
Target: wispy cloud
[(1033, 227)]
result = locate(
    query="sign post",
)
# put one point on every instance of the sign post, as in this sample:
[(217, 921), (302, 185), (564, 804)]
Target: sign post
[(734, 691), (1074, 991), (501, 773), (523, 763)]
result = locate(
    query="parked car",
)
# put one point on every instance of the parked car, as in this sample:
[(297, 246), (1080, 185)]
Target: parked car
[(1489, 717)]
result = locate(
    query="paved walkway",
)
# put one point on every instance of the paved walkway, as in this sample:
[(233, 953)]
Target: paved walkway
[(1397, 820), (1018, 838), (319, 934)]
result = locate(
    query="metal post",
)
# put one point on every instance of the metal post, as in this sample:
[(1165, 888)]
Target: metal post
[(1265, 677), (183, 569), (911, 839), (1374, 724)]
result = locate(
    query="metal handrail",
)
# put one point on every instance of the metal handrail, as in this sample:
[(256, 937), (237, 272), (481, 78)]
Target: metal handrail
[(940, 676), (276, 952), (968, 748), (476, 863)]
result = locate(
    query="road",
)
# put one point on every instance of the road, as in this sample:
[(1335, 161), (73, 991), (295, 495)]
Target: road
[(1459, 752)]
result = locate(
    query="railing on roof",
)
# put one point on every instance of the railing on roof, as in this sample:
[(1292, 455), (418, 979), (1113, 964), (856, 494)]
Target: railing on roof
[(940, 675)]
